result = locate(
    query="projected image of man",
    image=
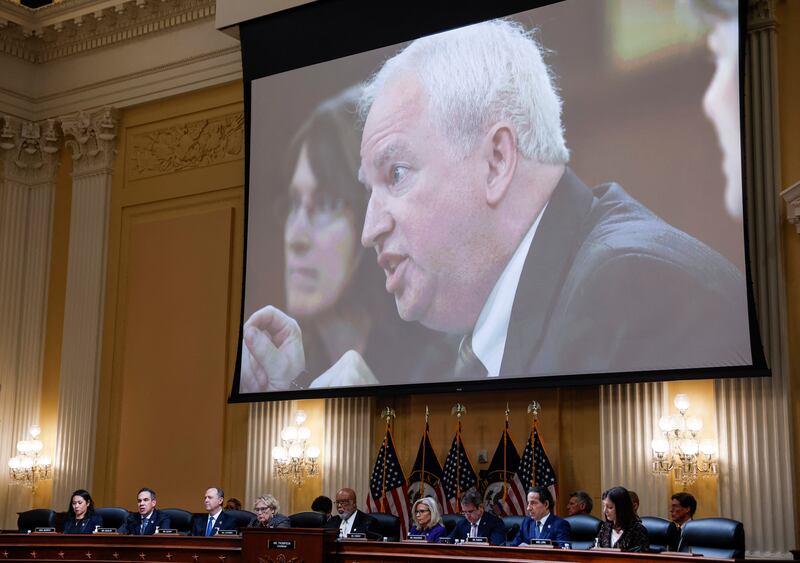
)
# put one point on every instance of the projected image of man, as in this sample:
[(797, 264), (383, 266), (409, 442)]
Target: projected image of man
[(482, 230)]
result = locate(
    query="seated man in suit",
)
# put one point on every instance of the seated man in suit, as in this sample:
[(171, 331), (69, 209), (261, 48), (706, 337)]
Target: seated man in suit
[(217, 518), (350, 519), (477, 523), (579, 503), (148, 519), (541, 524)]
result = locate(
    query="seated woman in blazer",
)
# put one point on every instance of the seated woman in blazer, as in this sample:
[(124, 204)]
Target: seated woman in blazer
[(622, 527), (81, 518)]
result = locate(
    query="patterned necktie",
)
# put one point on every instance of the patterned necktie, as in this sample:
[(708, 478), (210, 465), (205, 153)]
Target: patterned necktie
[(144, 525), (468, 365), (539, 529), (473, 533), (210, 525)]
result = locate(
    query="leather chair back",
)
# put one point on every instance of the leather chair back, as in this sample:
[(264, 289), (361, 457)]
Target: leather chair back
[(179, 519), (512, 526), (713, 537), (112, 517), (583, 530), (450, 521), (306, 520), (29, 520), (389, 525), (663, 534), (242, 517)]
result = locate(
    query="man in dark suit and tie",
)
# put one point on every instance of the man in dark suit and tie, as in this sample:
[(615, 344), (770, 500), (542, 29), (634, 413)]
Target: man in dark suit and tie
[(350, 520), (477, 523), (541, 524), (217, 518), (148, 519)]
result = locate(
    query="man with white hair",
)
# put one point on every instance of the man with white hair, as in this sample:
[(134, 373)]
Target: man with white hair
[(483, 231)]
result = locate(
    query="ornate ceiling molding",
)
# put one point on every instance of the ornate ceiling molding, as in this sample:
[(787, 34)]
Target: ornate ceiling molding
[(29, 149), (69, 27)]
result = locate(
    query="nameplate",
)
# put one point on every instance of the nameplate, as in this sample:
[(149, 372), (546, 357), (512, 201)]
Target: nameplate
[(44, 530), (447, 540), (607, 549), (356, 536), (477, 540), (166, 531), (415, 537), (106, 531), (227, 532), (541, 543), (681, 553)]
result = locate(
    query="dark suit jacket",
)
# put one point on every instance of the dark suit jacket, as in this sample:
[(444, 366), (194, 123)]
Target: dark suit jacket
[(277, 521), (554, 528), (362, 524), (223, 522), (490, 527), (84, 526), (608, 286), (133, 524)]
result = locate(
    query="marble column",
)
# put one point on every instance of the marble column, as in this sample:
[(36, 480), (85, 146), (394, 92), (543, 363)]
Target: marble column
[(91, 140), (29, 153), (754, 414)]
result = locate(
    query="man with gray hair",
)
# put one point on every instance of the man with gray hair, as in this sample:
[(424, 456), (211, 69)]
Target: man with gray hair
[(579, 503), (484, 232)]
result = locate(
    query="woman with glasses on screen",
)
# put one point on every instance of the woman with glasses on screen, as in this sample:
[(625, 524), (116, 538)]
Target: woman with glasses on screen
[(427, 520), (335, 298)]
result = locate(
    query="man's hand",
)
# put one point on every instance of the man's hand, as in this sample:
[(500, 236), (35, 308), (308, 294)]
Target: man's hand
[(351, 370), (272, 352)]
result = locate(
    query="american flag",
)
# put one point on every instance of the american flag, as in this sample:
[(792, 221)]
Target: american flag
[(459, 475), (535, 468), (505, 494), (426, 476), (388, 491)]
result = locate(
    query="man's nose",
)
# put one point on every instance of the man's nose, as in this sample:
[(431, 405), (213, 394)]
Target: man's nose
[(378, 222)]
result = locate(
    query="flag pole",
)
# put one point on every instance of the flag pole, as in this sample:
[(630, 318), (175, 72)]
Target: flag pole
[(533, 409), (424, 443), (505, 463), (458, 410), (388, 414)]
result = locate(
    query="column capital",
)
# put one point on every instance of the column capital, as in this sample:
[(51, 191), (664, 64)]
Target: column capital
[(761, 15), (91, 137), (791, 196), (29, 149)]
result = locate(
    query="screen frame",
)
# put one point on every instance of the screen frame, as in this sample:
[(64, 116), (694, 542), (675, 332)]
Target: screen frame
[(347, 27)]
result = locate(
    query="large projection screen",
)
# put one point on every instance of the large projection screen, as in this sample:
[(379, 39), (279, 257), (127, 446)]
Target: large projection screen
[(514, 195)]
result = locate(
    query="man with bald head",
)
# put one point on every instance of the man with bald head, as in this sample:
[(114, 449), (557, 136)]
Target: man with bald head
[(350, 520)]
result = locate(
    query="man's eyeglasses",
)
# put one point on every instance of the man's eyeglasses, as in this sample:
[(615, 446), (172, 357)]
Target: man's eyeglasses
[(343, 502), (469, 511)]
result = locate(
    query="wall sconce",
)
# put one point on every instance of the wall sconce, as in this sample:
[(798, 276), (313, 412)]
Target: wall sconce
[(679, 450), (295, 459), (28, 467)]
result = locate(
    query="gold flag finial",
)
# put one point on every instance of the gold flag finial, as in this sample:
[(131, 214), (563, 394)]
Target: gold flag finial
[(534, 408), (427, 414), (388, 414), (458, 410), (508, 412)]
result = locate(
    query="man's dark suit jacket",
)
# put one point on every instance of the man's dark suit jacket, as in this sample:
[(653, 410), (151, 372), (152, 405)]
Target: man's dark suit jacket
[(134, 522), (363, 523), (490, 527), (224, 521), (607, 286), (554, 528)]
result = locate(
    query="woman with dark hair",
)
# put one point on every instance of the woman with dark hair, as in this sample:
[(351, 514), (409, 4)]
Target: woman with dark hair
[(81, 518), (622, 528), (335, 296)]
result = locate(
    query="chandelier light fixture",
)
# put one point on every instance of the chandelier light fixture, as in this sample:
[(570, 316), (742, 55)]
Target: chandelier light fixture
[(28, 467), (679, 450), (295, 459)]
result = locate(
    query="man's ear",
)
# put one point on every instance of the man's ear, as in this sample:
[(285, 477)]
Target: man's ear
[(501, 154)]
